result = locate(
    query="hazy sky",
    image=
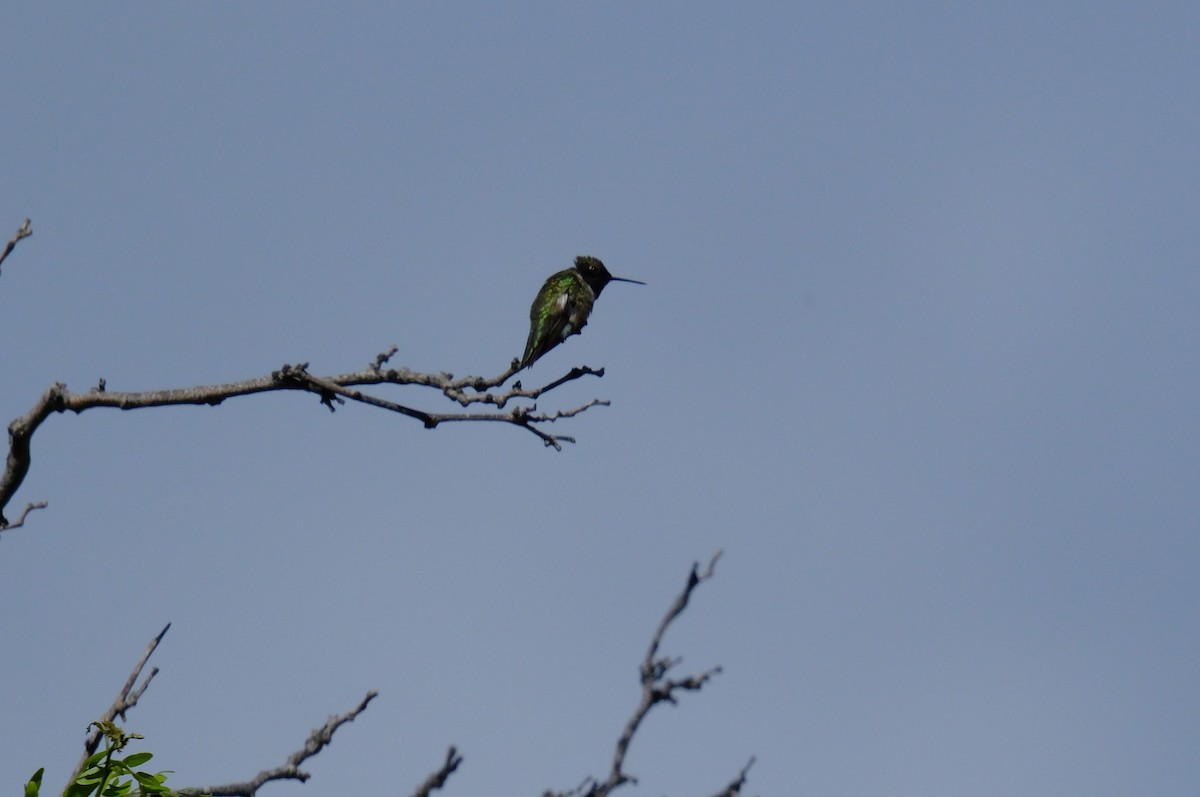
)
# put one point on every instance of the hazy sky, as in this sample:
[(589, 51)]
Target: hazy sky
[(918, 350)]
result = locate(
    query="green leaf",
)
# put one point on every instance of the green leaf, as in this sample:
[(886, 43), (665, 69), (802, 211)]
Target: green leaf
[(136, 759), (151, 783), (95, 758), (119, 788), (35, 783), (78, 789)]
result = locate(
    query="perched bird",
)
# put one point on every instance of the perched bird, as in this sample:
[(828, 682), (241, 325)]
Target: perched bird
[(562, 306)]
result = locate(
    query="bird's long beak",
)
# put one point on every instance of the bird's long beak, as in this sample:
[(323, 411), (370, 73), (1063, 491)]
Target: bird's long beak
[(626, 279)]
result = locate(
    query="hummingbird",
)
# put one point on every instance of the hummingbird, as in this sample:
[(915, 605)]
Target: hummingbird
[(562, 306)]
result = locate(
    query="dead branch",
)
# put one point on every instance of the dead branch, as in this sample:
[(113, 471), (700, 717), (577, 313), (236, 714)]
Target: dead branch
[(329, 389), (24, 231), (290, 770), (656, 688), (126, 699), (734, 789), (438, 779), (20, 521)]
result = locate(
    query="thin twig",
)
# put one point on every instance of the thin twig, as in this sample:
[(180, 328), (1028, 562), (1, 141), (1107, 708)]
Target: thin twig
[(290, 770), (438, 779), (734, 789), (457, 390), (20, 521), (681, 601), (383, 357), (24, 231), (126, 699)]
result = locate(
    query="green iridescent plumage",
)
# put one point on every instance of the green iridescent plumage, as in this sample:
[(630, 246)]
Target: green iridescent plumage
[(562, 306)]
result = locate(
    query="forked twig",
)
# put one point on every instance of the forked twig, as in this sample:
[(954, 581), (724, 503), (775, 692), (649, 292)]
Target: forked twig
[(437, 779), (24, 231), (126, 699)]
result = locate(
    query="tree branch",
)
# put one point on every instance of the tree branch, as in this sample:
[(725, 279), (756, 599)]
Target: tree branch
[(330, 389), (656, 688), (126, 699), (20, 521), (734, 789), (290, 770), (438, 779), (24, 231)]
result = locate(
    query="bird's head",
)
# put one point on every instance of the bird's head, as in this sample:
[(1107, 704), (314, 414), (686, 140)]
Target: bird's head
[(596, 275)]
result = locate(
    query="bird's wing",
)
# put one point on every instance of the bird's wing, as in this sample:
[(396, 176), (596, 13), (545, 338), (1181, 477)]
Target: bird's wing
[(546, 329)]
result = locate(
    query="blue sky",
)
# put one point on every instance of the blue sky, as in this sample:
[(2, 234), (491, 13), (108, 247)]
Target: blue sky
[(917, 350)]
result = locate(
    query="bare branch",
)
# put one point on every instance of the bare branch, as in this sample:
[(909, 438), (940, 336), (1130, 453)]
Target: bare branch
[(126, 699), (290, 770), (20, 521), (24, 231), (329, 389), (574, 373), (656, 688), (457, 390), (438, 779), (680, 604), (734, 789), (383, 356)]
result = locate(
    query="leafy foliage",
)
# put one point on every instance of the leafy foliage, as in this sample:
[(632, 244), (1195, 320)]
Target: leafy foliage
[(105, 774)]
